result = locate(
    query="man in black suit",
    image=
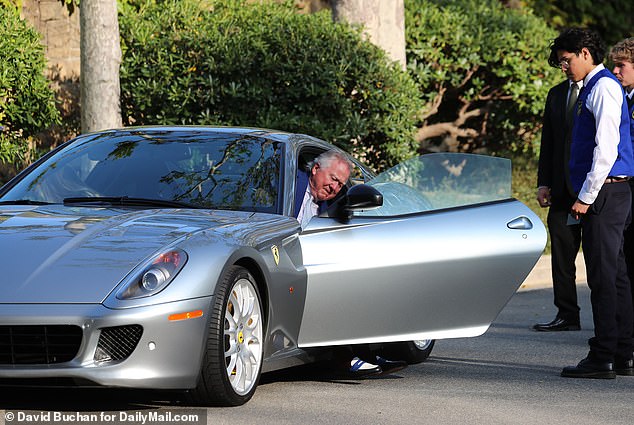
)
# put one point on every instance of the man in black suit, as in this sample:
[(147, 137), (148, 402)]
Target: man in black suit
[(554, 191)]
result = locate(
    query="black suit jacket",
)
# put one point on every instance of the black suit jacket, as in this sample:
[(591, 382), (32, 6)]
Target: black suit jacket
[(553, 170)]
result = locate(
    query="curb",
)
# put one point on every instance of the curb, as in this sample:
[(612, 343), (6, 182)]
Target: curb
[(540, 277)]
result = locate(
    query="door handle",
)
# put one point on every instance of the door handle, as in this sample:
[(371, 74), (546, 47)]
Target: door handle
[(520, 223)]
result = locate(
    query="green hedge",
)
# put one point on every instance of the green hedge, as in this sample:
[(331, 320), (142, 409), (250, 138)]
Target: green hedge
[(27, 104), (264, 65)]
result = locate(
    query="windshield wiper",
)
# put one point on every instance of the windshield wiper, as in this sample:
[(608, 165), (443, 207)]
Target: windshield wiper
[(127, 201), (24, 202)]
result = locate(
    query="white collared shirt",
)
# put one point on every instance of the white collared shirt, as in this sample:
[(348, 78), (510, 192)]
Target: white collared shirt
[(308, 209), (604, 102)]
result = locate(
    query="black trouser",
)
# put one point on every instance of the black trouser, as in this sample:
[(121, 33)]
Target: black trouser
[(628, 247), (564, 242), (611, 297)]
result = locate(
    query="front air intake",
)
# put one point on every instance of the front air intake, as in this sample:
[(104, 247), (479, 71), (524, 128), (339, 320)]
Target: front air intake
[(117, 343), (39, 344)]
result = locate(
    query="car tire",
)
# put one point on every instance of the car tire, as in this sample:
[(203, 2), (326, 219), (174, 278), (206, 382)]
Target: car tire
[(412, 352), (232, 361)]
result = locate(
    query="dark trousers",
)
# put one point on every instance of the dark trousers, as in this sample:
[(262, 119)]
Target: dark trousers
[(564, 241), (611, 297), (629, 247)]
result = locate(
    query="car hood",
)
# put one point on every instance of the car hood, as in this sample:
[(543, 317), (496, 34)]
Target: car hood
[(57, 254)]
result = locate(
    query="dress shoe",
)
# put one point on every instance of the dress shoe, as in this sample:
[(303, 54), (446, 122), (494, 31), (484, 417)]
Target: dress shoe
[(557, 325), (390, 366), (624, 367), (360, 369), (590, 369)]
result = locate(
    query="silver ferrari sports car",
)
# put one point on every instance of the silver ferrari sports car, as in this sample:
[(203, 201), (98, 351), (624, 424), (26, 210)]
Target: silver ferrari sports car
[(170, 258)]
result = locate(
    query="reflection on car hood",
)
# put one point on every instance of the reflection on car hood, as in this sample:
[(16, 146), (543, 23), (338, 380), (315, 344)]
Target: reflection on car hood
[(57, 254)]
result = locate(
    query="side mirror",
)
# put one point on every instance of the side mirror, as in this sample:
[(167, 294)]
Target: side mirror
[(358, 197), (362, 197)]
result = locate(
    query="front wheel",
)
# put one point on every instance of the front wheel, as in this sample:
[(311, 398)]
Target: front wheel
[(411, 351), (232, 361)]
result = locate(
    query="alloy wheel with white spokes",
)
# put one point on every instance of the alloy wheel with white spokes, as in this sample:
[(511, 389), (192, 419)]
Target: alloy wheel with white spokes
[(232, 361), (243, 336)]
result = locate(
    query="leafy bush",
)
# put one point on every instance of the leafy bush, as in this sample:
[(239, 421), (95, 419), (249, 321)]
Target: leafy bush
[(613, 19), (27, 103), (263, 64), (483, 73)]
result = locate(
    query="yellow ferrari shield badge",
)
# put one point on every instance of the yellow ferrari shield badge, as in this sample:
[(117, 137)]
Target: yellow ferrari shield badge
[(276, 254)]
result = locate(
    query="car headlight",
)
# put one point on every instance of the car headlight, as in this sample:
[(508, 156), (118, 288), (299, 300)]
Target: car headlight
[(152, 277)]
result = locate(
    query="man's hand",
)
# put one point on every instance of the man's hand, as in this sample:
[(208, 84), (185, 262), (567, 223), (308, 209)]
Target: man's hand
[(543, 196), (578, 209)]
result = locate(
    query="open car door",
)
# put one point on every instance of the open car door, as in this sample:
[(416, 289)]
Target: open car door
[(439, 259)]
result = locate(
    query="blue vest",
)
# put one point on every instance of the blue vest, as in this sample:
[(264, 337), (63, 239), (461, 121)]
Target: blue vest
[(583, 138), (631, 115)]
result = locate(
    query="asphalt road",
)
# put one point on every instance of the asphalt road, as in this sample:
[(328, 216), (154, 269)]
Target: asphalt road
[(510, 375)]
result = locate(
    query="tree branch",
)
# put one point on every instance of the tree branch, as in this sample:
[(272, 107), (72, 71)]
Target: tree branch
[(442, 129), (468, 76), (435, 104)]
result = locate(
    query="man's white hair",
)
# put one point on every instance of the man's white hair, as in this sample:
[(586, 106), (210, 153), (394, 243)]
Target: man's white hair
[(326, 159)]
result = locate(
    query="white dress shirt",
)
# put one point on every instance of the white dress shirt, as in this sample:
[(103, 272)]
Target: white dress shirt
[(308, 209), (604, 102)]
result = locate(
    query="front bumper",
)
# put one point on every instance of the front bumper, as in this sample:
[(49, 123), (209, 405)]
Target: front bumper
[(167, 356)]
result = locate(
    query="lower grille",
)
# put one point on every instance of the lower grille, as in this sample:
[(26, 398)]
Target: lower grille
[(39, 344), (117, 343)]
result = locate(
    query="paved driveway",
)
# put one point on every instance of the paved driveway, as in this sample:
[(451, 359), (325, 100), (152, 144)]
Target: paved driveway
[(510, 375)]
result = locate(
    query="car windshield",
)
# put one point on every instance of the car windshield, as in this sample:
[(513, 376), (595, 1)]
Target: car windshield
[(441, 180), (197, 168)]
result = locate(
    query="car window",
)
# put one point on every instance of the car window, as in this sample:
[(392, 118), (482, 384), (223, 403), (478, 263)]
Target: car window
[(442, 180), (204, 169)]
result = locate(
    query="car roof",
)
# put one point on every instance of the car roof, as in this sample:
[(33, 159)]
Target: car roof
[(295, 139)]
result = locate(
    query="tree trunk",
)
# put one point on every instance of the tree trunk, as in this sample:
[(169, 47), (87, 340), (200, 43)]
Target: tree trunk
[(383, 21), (100, 61)]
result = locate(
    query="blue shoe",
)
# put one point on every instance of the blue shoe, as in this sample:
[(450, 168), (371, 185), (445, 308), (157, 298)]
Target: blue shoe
[(390, 366), (360, 369)]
